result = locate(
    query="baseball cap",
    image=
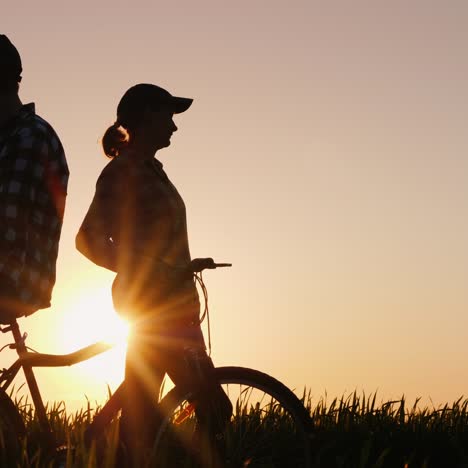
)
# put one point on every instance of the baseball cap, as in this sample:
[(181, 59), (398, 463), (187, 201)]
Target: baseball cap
[(149, 95), (10, 60)]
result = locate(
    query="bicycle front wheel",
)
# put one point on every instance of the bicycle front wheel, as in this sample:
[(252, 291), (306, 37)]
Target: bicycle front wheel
[(269, 426)]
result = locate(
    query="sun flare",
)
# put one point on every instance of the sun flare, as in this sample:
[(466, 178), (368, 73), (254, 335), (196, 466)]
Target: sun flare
[(91, 318)]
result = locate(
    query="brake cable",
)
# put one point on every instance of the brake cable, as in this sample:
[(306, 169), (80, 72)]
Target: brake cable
[(206, 313)]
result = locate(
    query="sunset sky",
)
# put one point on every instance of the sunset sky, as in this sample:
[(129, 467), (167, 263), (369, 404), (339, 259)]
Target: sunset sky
[(325, 156)]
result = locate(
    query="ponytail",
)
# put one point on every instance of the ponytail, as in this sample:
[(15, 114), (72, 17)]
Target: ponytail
[(115, 138)]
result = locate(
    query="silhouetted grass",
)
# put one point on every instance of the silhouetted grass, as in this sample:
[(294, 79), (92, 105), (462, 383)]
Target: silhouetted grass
[(352, 431)]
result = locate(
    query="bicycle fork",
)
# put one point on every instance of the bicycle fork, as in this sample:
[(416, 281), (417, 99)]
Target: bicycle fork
[(20, 346)]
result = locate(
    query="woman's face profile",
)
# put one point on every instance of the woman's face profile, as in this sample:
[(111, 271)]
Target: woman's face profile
[(160, 126)]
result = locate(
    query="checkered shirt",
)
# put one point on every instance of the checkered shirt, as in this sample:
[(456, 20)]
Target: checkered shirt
[(138, 215), (33, 187), (138, 207)]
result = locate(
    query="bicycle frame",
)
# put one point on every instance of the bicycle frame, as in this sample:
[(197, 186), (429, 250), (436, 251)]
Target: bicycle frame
[(250, 378), (27, 360)]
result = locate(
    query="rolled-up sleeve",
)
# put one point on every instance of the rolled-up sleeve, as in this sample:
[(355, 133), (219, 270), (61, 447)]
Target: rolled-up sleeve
[(95, 236)]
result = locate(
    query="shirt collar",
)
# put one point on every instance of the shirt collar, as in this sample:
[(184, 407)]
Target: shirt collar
[(157, 166), (25, 111)]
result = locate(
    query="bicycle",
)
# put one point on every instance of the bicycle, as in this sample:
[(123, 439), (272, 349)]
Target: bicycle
[(269, 427)]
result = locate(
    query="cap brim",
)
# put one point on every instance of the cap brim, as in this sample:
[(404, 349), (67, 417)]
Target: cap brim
[(180, 104)]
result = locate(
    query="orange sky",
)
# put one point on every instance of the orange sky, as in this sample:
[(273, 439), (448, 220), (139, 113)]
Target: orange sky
[(324, 156)]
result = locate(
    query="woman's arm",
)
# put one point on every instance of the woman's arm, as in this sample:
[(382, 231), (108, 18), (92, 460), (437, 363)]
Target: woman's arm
[(96, 247), (94, 238)]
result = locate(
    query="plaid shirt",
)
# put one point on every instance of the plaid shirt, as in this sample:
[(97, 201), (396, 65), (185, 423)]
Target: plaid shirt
[(139, 211), (33, 187), (138, 217)]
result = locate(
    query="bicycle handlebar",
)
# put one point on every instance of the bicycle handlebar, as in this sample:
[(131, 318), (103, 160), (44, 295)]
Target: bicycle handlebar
[(197, 265)]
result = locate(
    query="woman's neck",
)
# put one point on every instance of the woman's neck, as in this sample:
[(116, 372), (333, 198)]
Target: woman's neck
[(144, 148), (141, 151)]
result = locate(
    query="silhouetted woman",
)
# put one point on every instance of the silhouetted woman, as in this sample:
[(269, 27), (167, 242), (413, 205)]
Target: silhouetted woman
[(136, 226)]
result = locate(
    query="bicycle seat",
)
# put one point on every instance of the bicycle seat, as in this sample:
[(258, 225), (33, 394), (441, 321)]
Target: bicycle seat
[(11, 306), (9, 315), (6, 317)]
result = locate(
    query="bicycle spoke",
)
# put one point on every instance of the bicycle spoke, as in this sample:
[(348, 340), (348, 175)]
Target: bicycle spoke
[(266, 429)]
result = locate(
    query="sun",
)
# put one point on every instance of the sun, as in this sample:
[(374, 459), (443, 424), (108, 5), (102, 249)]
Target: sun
[(92, 318), (89, 318)]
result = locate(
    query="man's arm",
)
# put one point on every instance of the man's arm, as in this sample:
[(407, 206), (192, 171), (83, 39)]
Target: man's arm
[(22, 170)]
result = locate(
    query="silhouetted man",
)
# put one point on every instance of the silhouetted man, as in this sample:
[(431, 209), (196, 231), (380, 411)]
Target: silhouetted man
[(33, 187)]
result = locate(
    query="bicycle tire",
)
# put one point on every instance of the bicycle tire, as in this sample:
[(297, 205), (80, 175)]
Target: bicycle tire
[(12, 429), (284, 419)]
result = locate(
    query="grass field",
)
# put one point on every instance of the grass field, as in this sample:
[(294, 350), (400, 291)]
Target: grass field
[(352, 431)]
